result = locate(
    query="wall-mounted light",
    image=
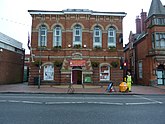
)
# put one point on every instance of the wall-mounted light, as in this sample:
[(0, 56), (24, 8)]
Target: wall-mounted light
[(69, 46), (1, 50), (85, 45)]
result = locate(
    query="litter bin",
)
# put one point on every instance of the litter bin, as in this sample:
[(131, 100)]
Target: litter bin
[(36, 79), (123, 87)]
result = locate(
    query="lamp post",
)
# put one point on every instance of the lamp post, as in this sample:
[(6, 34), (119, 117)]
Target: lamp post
[(39, 71)]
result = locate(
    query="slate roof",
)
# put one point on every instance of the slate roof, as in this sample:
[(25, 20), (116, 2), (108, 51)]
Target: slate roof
[(156, 8), (4, 39)]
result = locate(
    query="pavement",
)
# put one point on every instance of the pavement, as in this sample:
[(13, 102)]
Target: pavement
[(78, 89)]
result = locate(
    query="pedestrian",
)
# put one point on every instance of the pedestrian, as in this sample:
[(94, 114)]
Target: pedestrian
[(129, 81)]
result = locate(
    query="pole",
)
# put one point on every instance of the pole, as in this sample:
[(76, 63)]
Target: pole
[(39, 71), (39, 76)]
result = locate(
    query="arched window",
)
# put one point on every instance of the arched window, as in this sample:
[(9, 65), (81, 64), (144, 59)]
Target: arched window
[(42, 36), (111, 37), (57, 36), (77, 35), (105, 72), (49, 72), (97, 37)]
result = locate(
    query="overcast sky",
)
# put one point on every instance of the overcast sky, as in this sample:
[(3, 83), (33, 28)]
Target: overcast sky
[(15, 21)]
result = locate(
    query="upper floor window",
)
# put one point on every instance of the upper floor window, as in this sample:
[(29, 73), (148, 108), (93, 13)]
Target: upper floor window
[(158, 21), (158, 41), (57, 36), (42, 36), (77, 35), (111, 37), (97, 37)]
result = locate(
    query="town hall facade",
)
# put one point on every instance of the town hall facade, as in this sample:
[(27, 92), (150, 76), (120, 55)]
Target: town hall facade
[(76, 46)]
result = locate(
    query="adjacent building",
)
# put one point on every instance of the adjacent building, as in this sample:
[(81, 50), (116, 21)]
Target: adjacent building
[(145, 52), (11, 60), (76, 46), (26, 67)]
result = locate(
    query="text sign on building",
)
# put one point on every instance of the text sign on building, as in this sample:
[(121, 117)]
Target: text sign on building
[(77, 62)]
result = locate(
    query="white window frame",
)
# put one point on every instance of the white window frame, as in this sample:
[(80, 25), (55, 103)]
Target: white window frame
[(140, 69), (77, 28), (57, 38), (97, 33), (160, 40), (105, 74), (49, 72), (42, 40), (111, 37)]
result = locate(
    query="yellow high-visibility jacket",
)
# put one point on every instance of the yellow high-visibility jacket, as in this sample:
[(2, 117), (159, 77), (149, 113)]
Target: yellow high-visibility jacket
[(129, 79)]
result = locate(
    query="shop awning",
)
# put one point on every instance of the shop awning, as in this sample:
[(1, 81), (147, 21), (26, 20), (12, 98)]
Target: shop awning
[(77, 62)]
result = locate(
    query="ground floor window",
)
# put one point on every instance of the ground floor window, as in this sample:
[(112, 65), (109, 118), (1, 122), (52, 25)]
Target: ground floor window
[(48, 72), (104, 73), (140, 68)]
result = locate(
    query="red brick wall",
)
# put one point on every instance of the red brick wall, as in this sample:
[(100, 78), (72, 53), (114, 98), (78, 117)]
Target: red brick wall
[(67, 22), (11, 67), (142, 52)]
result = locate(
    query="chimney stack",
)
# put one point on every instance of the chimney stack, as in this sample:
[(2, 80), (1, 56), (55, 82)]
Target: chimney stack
[(138, 25), (143, 18)]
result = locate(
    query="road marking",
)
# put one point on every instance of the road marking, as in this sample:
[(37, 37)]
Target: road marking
[(19, 101), (13, 101), (152, 100), (3, 100), (141, 103), (31, 102), (101, 103), (80, 100)]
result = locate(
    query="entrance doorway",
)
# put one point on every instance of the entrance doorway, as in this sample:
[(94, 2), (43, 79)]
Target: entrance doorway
[(77, 75), (161, 75)]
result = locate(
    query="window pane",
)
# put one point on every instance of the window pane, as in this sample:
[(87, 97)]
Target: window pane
[(42, 43), (57, 38), (162, 43), (157, 44), (77, 32), (96, 33), (42, 32), (97, 39), (77, 38), (157, 36), (111, 33), (57, 32), (111, 40)]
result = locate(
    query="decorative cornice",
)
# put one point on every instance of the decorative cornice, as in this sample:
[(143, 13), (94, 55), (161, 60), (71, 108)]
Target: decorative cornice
[(76, 11)]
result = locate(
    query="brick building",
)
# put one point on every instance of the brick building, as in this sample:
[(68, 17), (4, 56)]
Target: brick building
[(11, 60), (76, 45), (145, 51)]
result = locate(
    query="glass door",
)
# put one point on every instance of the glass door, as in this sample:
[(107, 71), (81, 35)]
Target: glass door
[(160, 77)]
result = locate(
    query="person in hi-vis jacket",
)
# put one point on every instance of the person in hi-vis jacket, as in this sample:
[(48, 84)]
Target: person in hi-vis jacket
[(129, 81)]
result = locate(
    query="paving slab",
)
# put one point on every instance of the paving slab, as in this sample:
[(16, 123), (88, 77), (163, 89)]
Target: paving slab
[(87, 89)]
